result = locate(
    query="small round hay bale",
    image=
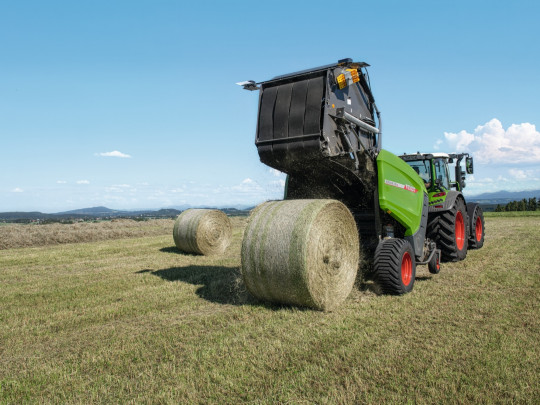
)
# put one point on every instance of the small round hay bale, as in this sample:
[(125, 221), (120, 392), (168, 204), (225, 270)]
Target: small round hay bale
[(202, 231), (301, 252)]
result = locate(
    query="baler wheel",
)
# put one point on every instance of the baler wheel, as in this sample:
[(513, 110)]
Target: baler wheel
[(449, 230), (395, 266)]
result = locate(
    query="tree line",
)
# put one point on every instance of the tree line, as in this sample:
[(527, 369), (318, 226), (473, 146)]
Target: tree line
[(524, 205)]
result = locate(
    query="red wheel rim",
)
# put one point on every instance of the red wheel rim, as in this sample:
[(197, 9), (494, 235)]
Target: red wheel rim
[(460, 231), (406, 268), (478, 229)]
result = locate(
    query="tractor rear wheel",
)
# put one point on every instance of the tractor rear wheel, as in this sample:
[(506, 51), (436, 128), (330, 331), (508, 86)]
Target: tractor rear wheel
[(395, 266), (476, 216), (449, 230)]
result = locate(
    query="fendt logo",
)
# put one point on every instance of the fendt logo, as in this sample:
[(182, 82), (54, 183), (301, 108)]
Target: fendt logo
[(399, 185)]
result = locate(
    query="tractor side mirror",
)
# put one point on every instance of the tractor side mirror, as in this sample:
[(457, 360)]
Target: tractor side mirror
[(469, 165)]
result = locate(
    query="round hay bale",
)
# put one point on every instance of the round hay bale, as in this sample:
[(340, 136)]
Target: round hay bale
[(202, 231), (301, 252)]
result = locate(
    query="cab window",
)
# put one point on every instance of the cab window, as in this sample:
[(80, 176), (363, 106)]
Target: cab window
[(422, 167), (441, 173)]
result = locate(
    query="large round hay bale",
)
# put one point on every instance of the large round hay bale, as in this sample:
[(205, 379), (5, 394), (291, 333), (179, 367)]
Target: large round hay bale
[(202, 231), (301, 252)]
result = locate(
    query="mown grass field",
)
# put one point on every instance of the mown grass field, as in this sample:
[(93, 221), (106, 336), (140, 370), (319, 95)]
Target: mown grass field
[(513, 214), (32, 235), (132, 320)]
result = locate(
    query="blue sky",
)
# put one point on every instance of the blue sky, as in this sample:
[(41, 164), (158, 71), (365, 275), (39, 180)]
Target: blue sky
[(133, 104)]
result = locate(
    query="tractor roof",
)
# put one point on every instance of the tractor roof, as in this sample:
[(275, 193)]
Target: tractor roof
[(423, 156)]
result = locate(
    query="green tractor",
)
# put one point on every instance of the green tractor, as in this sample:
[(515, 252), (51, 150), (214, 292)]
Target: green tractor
[(322, 128), (453, 224)]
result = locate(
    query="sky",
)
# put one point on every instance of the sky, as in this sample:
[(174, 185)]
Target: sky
[(133, 104)]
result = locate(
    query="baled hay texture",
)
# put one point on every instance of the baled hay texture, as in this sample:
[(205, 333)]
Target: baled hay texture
[(301, 252), (206, 232)]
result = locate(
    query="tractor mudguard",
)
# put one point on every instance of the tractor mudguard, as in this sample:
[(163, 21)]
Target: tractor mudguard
[(440, 203)]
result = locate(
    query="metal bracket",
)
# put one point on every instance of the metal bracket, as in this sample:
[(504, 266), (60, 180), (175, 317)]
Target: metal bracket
[(433, 252), (341, 113), (249, 85)]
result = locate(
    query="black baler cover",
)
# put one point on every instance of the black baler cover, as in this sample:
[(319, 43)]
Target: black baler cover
[(297, 124)]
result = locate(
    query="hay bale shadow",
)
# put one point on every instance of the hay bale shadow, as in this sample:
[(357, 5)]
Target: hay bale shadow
[(176, 251), (222, 285)]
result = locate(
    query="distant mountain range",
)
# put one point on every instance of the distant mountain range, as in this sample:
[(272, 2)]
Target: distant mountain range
[(105, 213), (90, 211), (498, 197)]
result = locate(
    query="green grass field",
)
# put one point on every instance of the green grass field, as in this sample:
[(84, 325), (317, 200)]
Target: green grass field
[(133, 320), (513, 214)]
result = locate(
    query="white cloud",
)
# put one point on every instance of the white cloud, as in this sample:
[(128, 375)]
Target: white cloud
[(275, 172), (115, 153), (491, 143), (61, 182), (279, 183), (438, 143), (518, 174), (17, 190), (459, 141), (83, 182), (247, 186), (506, 158), (120, 188), (503, 179)]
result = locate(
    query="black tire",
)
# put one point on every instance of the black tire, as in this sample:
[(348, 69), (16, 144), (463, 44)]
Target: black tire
[(395, 266), (434, 265), (476, 226), (449, 230)]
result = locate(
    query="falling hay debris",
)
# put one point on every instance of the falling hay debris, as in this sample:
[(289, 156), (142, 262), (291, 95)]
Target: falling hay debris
[(301, 252), (202, 231)]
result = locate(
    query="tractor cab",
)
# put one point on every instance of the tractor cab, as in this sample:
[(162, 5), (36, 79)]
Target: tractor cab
[(434, 169)]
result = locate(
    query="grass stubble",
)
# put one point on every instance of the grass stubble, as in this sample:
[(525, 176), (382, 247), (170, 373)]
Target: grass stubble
[(134, 320)]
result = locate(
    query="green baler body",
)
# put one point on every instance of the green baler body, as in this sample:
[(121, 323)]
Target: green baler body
[(401, 191)]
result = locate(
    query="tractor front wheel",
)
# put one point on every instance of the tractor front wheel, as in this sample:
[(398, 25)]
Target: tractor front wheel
[(395, 266)]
